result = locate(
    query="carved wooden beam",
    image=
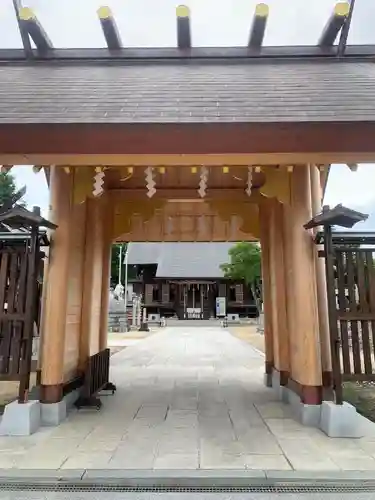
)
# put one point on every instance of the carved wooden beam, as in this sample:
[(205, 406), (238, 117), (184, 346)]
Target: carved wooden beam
[(258, 27), (334, 25), (183, 27), (109, 27)]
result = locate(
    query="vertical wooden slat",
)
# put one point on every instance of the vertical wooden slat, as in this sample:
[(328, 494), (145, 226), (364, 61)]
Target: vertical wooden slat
[(15, 349), (3, 277), (3, 287), (371, 283), (342, 308), (353, 308), (7, 326), (15, 353), (364, 308), (331, 258)]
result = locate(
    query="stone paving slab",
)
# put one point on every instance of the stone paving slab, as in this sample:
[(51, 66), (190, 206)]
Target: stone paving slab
[(187, 398), (185, 478)]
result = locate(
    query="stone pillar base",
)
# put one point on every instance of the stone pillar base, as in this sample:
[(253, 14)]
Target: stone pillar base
[(306, 414), (340, 420), (20, 419), (53, 413), (337, 421)]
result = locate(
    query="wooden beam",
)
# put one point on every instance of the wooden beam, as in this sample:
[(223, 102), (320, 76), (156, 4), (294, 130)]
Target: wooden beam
[(35, 30), (183, 27), (258, 27), (177, 194), (345, 31), (28, 51), (109, 27), (199, 55), (170, 143), (334, 25)]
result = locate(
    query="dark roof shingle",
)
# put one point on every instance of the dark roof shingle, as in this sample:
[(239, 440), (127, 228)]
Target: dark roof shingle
[(156, 93), (182, 260)]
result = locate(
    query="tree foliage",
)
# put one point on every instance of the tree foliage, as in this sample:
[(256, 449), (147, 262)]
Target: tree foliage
[(245, 263), (7, 187)]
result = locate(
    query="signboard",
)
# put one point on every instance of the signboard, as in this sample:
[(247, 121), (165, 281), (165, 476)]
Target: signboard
[(220, 306)]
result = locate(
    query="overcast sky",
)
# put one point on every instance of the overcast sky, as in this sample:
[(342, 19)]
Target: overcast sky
[(151, 23)]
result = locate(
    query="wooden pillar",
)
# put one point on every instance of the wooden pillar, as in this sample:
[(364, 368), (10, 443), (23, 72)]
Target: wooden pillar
[(316, 203), (107, 220), (306, 374), (278, 291), (92, 283), (264, 219), (54, 321), (75, 289), (289, 287)]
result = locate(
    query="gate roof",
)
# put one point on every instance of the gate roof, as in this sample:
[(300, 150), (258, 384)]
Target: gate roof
[(180, 93)]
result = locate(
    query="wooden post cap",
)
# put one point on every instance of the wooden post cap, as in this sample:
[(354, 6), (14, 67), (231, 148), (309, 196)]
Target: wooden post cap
[(182, 11), (104, 12), (262, 10), (342, 9), (26, 14)]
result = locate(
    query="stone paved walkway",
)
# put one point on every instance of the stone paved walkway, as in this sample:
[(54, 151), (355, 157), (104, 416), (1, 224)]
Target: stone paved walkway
[(187, 398)]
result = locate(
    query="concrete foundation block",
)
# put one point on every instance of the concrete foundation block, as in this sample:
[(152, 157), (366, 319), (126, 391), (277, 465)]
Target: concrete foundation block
[(308, 415), (277, 388), (340, 421), (71, 398), (53, 414), (20, 419), (267, 379)]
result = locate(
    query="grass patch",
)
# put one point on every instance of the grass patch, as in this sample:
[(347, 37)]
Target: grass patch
[(250, 335), (362, 396)]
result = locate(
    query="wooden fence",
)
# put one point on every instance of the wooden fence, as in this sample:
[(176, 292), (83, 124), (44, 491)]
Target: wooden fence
[(19, 295), (351, 290)]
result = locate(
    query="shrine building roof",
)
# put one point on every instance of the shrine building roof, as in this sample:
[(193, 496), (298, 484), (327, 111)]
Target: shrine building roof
[(181, 260)]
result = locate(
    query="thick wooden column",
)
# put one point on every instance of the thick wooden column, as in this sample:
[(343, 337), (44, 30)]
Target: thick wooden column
[(107, 220), (75, 289), (54, 320), (264, 220), (316, 203), (278, 291), (306, 374), (92, 283)]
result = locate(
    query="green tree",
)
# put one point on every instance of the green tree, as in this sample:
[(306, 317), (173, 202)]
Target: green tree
[(245, 263), (8, 188)]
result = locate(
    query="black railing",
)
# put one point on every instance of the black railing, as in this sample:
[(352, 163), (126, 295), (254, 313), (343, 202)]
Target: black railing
[(96, 379)]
